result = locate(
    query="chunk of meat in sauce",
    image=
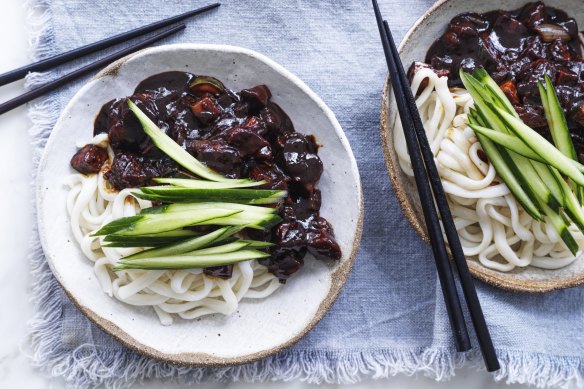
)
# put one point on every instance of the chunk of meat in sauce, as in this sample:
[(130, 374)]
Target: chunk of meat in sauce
[(131, 171), (272, 173), (256, 97), (247, 141), (217, 155), (299, 159), (303, 230), (276, 121), (125, 130), (284, 263), (89, 159)]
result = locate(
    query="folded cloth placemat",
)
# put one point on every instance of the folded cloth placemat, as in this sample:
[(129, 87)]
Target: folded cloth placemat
[(390, 317)]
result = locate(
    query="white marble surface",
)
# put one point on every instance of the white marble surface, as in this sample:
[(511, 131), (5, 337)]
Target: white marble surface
[(15, 224)]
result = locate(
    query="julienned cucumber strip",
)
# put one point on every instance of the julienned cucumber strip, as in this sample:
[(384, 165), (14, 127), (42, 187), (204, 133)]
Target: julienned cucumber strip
[(522, 169), (264, 222), (156, 223), (117, 225), (201, 184), (257, 243), (560, 224), (191, 261), (562, 227), (548, 181), (226, 248), (509, 142), (558, 126), (513, 143), (556, 120), (507, 174), (482, 76), (177, 153), (540, 145), (143, 240), (188, 195), (170, 199), (571, 204), (186, 245), (184, 207)]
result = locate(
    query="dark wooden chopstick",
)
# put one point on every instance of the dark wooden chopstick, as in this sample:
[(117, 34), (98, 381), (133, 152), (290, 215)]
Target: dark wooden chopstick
[(62, 58), (466, 281), (411, 115), (445, 273), (33, 94)]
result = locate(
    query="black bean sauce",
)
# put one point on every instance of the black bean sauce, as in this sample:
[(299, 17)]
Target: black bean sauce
[(518, 48), (240, 134)]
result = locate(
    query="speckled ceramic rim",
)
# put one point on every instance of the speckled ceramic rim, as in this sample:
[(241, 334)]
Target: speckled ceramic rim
[(501, 280), (338, 276)]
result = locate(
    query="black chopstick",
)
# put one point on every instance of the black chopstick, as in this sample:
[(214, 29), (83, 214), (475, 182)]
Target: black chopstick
[(466, 282), (445, 273), (33, 94), (60, 59), (411, 116)]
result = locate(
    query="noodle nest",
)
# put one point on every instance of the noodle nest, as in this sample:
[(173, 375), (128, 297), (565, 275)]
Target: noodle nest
[(492, 226)]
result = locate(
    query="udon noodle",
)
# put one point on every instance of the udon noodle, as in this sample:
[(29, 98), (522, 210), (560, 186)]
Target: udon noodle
[(492, 225), (185, 293)]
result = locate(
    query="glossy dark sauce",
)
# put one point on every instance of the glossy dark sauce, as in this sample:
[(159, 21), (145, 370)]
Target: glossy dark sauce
[(517, 49), (240, 134)]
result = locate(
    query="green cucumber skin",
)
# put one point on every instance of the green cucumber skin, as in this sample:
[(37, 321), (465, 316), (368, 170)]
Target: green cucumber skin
[(519, 166), (557, 123), (558, 126), (223, 249), (200, 184), (187, 207), (190, 262), (117, 225), (514, 144), (481, 75), (561, 227), (571, 203), (187, 195), (181, 247), (156, 223), (258, 243), (261, 222), (548, 181), (569, 240), (507, 141), (546, 150), (152, 240), (142, 242)]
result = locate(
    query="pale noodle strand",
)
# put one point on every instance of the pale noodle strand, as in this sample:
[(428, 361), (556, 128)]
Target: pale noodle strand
[(493, 227), (186, 293)]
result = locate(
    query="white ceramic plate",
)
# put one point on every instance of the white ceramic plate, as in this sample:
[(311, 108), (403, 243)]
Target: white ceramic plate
[(258, 328), (413, 48)]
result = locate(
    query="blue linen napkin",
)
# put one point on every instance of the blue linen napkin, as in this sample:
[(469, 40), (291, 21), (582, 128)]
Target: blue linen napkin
[(390, 317)]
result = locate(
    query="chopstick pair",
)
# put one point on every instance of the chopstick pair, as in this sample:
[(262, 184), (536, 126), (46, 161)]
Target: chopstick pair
[(428, 183), (62, 58)]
